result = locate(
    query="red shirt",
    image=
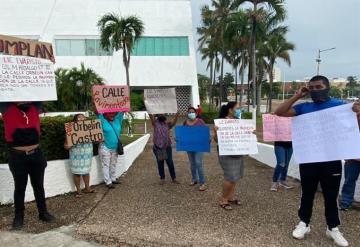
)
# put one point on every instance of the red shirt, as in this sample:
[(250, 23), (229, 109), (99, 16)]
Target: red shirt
[(19, 126), (199, 111)]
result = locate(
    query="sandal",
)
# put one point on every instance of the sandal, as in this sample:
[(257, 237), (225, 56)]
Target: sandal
[(78, 195), (88, 191), (226, 206), (235, 202)]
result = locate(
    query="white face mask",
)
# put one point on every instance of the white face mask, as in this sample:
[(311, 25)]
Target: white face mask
[(191, 115)]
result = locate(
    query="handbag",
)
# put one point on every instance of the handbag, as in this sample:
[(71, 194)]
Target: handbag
[(119, 148), (160, 153)]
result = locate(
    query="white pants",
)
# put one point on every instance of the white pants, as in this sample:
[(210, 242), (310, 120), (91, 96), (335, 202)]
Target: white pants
[(108, 159)]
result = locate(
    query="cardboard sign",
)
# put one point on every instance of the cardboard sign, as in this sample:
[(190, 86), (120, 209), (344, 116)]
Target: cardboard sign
[(159, 101), (326, 135), (111, 98), (88, 131), (26, 79), (235, 136), (25, 47), (276, 128), (192, 138)]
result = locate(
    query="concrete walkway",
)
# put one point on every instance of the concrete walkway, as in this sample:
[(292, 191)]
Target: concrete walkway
[(143, 213)]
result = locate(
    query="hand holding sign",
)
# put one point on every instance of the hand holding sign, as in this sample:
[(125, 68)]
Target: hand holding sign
[(88, 131), (111, 98)]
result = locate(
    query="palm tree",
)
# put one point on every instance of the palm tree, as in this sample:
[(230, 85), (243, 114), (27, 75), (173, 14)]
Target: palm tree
[(120, 34), (84, 78), (279, 10), (276, 47)]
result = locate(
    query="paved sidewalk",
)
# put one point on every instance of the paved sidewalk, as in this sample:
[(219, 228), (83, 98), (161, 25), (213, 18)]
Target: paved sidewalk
[(140, 212)]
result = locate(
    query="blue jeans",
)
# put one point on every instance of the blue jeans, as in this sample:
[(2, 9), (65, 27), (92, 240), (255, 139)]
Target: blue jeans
[(283, 156), (352, 170), (169, 162), (196, 162)]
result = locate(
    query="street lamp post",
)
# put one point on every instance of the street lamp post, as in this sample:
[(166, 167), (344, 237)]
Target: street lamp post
[(318, 60)]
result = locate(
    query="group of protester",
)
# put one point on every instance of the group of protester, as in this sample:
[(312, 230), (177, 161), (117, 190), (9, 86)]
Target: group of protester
[(22, 132)]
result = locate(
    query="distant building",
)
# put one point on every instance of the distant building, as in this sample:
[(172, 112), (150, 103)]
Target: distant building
[(276, 75)]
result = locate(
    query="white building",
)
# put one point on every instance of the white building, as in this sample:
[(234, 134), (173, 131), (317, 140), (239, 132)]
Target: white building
[(164, 57), (276, 75)]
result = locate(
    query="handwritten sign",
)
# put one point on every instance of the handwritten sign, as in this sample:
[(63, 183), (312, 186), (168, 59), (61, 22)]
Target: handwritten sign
[(327, 135), (26, 79), (159, 101), (235, 136), (88, 131), (192, 138), (111, 98), (276, 128), (25, 47)]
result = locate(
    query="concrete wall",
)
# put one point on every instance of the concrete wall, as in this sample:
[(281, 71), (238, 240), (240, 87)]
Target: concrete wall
[(58, 178), (266, 155)]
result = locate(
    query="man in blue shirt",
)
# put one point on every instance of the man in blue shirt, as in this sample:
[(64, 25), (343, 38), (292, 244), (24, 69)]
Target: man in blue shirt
[(328, 174)]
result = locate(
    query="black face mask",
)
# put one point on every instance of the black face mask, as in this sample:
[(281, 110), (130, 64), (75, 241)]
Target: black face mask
[(319, 96), (162, 118), (24, 107)]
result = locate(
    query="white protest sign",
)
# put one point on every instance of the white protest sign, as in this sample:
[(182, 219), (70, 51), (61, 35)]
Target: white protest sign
[(26, 79), (160, 100), (327, 135), (235, 136)]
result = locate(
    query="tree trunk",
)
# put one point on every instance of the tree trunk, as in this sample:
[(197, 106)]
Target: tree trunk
[(211, 85), (221, 79), (270, 85), (126, 64), (236, 83), (242, 70), (258, 93), (249, 80), (253, 54)]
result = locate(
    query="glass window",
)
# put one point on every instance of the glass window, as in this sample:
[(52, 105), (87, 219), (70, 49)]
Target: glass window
[(77, 47), (91, 49), (62, 47), (161, 46)]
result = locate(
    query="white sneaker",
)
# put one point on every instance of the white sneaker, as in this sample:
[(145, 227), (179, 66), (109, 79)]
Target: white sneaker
[(301, 230), (274, 186), (286, 185), (337, 236)]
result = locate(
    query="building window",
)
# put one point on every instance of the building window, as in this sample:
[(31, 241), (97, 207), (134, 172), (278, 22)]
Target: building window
[(80, 47), (161, 46)]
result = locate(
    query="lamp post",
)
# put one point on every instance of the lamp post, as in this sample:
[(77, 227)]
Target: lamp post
[(318, 60)]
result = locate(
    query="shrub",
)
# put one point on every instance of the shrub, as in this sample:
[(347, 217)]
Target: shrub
[(209, 117), (246, 115)]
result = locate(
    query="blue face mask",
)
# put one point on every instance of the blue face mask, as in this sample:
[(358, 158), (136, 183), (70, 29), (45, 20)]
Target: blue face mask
[(191, 115), (237, 114)]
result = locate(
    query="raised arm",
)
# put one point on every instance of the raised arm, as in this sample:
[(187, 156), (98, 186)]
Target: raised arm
[(174, 121), (285, 109)]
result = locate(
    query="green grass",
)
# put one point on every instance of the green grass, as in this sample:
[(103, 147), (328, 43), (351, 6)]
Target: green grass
[(127, 140)]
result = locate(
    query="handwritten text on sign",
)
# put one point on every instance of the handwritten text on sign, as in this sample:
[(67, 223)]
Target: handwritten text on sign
[(26, 79), (235, 137), (276, 128), (88, 131), (327, 135), (160, 100), (111, 98)]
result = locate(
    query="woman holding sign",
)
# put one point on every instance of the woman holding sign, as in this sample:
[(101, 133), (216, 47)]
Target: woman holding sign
[(233, 166), (80, 156), (196, 158), (162, 145), (108, 150)]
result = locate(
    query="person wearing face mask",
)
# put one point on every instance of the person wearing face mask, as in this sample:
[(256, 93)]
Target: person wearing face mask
[(22, 134), (328, 174), (232, 165), (196, 158), (111, 123), (162, 144)]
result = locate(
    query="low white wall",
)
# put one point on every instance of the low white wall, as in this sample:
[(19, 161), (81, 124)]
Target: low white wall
[(58, 178), (266, 155)]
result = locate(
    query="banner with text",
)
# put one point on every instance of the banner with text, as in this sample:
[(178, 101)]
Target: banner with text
[(160, 100), (192, 138), (326, 135), (276, 128), (111, 98), (26, 79), (235, 136), (25, 47), (88, 131)]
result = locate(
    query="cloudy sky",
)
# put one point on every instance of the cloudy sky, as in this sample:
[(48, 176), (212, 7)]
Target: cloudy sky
[(315, 24)]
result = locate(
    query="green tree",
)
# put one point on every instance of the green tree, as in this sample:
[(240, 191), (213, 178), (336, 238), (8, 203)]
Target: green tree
[(120, 34), (204, 83), (335, 92)]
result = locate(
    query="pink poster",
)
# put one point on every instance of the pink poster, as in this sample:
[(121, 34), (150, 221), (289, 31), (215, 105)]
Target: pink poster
[(111, 98), (276, 128)]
